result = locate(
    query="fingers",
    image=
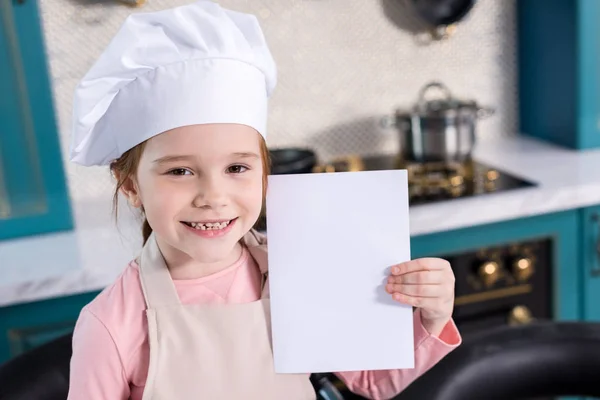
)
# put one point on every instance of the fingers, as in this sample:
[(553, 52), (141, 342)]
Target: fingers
[(426, 283), (419, 278), (420, 264), (416, 290), (432, 303)]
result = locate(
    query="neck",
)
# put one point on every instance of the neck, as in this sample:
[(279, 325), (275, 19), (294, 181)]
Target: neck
[(182, 266)]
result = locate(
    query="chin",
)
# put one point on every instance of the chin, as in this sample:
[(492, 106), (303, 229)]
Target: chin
[(210, 250), (211, 253)]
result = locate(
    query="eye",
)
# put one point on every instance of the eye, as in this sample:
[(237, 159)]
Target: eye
[(237, 169), (179, 172)]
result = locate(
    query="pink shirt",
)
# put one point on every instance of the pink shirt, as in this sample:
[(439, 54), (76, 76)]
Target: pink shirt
[(110, 342)]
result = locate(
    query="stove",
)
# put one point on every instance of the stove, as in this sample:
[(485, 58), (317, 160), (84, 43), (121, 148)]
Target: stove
[(429, 182), (435, 181)]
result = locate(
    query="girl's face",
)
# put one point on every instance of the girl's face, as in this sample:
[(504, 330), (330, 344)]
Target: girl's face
[(201, 189)]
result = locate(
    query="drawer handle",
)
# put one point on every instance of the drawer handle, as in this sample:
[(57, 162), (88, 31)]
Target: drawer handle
[(595, 265)]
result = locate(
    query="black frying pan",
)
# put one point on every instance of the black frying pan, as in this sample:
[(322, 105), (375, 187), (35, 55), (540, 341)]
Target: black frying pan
[(442, 12), (292, 161)]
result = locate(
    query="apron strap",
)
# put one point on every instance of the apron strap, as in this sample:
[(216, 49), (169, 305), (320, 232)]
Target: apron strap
[(257, 246), (157, 285)]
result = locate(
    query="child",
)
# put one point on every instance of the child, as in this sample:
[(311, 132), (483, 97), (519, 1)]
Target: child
[(177, 107)]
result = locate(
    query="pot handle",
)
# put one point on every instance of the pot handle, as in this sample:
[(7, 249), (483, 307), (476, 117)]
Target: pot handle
[(484, 112), (431, 85), (387, 122)]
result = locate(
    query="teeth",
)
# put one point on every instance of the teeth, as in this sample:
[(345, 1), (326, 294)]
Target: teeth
[(209, 226)]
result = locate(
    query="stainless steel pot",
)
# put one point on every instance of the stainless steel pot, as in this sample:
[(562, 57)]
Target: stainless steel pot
[(438, 130)]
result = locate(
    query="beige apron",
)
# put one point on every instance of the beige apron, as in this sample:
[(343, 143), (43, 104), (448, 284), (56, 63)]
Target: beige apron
[(211, 351)]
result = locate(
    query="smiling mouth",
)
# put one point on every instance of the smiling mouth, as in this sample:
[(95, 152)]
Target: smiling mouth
[(209, 226)]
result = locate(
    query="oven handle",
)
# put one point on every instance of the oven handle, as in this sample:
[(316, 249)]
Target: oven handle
[(595, 264)]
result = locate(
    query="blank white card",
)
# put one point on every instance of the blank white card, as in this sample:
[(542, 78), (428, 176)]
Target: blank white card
[(332, 240)]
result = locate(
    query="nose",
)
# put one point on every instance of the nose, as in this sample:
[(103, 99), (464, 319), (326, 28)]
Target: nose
[(211, 193)]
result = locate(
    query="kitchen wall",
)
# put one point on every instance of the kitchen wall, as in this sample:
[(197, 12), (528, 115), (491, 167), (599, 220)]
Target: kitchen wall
[(343, 64)]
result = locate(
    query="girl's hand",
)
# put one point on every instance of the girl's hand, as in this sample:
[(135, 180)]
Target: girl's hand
[(427, 284)]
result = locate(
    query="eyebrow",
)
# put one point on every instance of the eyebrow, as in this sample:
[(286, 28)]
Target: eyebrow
[(168, 159), (174, 158), (246, 155)]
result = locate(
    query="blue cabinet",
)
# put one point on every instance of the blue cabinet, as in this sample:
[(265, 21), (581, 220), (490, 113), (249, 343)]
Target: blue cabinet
[(25, 326), (33, 192), (559, 71), (590, 262)]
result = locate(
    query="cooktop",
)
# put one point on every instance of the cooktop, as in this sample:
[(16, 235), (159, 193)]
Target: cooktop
[(436, 181), (433, 182)]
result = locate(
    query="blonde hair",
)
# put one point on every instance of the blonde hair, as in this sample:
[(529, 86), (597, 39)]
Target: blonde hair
[(125, 167)]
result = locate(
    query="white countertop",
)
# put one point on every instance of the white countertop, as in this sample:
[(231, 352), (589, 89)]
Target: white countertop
[(95, 253)]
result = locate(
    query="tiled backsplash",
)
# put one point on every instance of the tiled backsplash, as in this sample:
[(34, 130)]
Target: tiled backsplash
[(343, 64)]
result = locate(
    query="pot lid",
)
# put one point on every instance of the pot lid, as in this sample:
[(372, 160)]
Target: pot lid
[(441, 105), (447, 106)]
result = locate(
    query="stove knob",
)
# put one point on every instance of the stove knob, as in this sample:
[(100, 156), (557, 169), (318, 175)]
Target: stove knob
[(489, 273), (523, 268), (319, 169), (456, 180), (492, 175), (520, 315)]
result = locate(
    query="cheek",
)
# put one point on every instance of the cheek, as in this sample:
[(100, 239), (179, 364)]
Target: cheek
[(159, 200), (251, 192)]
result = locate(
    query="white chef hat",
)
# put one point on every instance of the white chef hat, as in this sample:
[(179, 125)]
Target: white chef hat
[(194, 64)]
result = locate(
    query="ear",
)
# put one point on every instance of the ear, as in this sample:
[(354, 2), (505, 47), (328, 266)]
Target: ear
[(131, 191)]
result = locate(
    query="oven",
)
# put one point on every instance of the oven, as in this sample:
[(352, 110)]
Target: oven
[(508, 284)]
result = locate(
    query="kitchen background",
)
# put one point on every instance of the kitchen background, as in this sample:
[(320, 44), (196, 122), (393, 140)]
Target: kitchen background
[(343, 64), (518, 217)]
